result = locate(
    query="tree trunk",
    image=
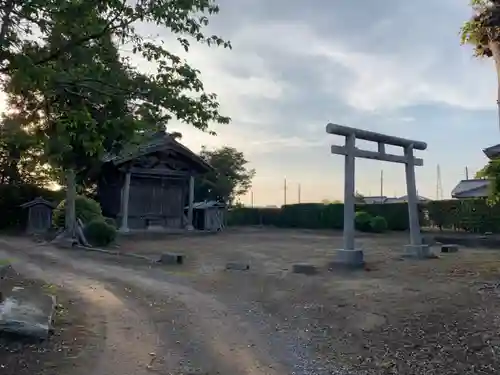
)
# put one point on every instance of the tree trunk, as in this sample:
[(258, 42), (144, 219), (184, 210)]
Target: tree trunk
[(495, 49), (70, 214)]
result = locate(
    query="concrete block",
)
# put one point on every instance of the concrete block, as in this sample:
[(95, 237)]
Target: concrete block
[(449, 248), (171, 259), (237, 266), (27, 313), (350, 259), (305, 269), (418, 252)]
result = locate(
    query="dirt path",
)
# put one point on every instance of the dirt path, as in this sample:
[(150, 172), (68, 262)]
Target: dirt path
[(154, 324)]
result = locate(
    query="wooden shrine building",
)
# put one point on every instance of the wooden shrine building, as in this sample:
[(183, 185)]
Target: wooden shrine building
[(148, 186)]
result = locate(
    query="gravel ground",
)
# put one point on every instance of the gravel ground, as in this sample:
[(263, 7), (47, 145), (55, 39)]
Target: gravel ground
[(395, 317), (75, 334)]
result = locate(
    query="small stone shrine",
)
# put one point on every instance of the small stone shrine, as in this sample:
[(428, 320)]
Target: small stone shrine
[(39, 215)]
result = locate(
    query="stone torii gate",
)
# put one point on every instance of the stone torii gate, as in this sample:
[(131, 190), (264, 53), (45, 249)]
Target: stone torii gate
[(350, 256)]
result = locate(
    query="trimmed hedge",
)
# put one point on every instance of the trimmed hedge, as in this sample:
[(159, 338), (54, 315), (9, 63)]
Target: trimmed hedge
[(319, 216), (471, 215), (12, 196)]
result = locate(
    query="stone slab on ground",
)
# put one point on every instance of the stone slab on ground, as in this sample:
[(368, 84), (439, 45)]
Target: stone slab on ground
[(27, 312), (237, 266), (305, 269), (171, 259), (449, 248), (347, 259)]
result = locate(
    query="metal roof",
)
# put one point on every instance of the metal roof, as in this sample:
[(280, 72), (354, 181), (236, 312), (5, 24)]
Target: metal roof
[(158, 141), (469, 185)]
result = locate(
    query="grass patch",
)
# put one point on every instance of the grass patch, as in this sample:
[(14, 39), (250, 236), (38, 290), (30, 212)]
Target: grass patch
[(5, 262), (50, 289)]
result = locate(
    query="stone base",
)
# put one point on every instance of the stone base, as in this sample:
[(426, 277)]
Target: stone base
[(172, 259), (351, 259), (418, 252), (237, 266), (449, 248), (305, 269)]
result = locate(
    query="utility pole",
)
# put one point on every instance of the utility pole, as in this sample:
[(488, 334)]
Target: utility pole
[(439, 184), (284, 192), (466, 173), (298, 192), (251, 198)]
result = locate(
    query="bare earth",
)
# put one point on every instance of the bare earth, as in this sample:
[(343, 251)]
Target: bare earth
[(396, 317)]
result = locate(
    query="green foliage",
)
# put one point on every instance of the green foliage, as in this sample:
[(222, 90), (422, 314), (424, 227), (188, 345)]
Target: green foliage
[(320, 216), (86, 210), (67, 83), (111, 221), (230, 179), (471, 215), (362, 221), (396, 214), (378, 224), (483, 28), (12, 196), (99, 233), (82, 100), (491, 171)]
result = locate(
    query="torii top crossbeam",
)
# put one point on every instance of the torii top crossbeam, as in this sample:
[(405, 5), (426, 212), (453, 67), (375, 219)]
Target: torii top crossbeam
[(374, 137)]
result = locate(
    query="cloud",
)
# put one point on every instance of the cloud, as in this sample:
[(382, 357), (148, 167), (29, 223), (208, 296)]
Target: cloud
[(382, 80)]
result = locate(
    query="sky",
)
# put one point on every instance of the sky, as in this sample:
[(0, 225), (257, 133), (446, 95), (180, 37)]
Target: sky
[(390, 66)]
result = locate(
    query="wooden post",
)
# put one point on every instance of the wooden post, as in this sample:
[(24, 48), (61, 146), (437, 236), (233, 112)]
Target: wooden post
[(125, 200), (191, 202)]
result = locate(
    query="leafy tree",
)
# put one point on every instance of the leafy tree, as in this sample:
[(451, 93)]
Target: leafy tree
[(492, 172), (483, 32), (231, 178), (76, 93), (20, 154)]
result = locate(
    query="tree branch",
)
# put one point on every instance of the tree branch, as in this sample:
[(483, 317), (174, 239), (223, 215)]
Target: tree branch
[(76, 42)]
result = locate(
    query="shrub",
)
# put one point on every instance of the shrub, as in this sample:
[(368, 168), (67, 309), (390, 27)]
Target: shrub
[(86, 210), (378, 224), (362, 221), (99, 233), (110, 221)]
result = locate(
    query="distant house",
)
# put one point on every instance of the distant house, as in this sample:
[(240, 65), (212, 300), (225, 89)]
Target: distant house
[(476, 188), (374, 200), (404, 199), (492, 152), (388, 200)]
